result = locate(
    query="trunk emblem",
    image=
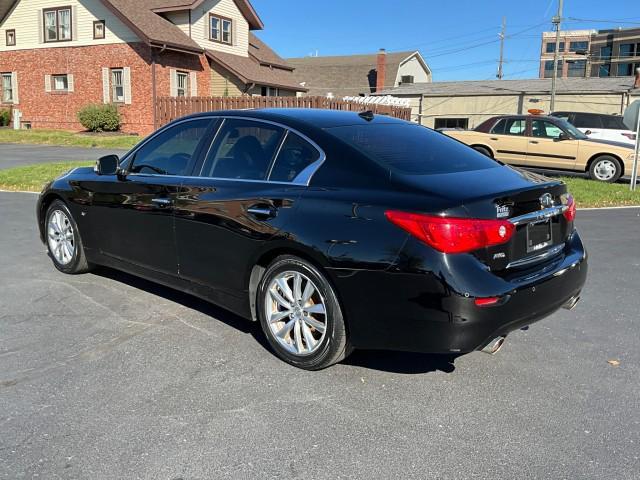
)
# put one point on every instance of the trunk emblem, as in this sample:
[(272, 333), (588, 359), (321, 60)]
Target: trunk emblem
[(503, 211), (546, 200)]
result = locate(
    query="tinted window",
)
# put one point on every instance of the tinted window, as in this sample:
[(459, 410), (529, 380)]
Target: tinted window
[(173, 151), (613, 123), (587, 120), (412, 149), (510, 126), (451, 123), (296, 155), (544, 129), (243, 149)]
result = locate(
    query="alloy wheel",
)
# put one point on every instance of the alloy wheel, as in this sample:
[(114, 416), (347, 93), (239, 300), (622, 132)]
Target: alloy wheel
[(60, 237), (296, 313)]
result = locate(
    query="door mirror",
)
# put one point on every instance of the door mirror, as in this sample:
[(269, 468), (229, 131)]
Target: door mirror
[(588, 132), (108, 165)]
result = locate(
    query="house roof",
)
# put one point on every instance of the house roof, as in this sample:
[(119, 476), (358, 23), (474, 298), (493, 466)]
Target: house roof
[(510, 87), (5, 8), (263, 66), (345, 75), (255, 23)]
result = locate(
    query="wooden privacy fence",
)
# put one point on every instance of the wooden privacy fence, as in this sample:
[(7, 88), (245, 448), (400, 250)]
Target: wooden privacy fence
[(171, 108)]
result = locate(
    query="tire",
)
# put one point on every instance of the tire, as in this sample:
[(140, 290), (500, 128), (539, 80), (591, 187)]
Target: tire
[(63, 240), (483, 151), (605, 168), (302, 342)]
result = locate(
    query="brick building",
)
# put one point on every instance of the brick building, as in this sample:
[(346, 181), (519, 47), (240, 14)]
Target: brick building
[(58, 55)]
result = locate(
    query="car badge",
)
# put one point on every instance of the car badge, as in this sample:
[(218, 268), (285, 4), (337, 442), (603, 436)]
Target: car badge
[(503, 211), (546, 201)]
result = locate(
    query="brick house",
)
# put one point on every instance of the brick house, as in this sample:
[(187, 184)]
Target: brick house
[(58, 55)]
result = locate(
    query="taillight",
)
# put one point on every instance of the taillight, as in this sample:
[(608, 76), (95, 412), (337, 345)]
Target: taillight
[(453, 235), (570, 212)]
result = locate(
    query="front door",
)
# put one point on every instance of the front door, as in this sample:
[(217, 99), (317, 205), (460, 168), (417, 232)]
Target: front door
[(132, 217), (508, 140), (547, 149)]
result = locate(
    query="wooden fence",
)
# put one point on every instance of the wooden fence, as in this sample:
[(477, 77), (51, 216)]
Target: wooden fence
[(170, 108)]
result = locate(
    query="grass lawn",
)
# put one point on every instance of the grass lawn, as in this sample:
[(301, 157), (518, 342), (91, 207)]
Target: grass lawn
[(588, 193), (67, 139)]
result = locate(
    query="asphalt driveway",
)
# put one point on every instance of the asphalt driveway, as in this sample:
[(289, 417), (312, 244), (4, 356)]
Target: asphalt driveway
[(104, 376), (20, 155)]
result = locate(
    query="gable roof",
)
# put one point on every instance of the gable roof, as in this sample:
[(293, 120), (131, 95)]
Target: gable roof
[(348, 75), (255, 23)]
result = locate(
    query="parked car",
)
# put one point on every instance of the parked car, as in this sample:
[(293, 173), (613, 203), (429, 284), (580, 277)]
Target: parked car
[(332, 229), (599, 126), (550, 143)]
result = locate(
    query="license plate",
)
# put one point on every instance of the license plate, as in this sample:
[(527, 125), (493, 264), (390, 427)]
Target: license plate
[(538, 236)]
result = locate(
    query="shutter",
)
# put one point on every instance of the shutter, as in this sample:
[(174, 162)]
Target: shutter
[(127, 85), (173, 82), (40, 26), (106, 92), (70, 85), (234, 33), (207, 27), (74, 23), (193, 87), (14, 86), (47, 83)]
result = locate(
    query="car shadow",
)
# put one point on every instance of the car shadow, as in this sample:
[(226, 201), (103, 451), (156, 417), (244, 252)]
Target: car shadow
[(382, 360)]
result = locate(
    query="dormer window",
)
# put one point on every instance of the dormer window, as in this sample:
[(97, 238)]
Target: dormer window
[(57, 24), (220, 29), (98, 30), (11, 38)]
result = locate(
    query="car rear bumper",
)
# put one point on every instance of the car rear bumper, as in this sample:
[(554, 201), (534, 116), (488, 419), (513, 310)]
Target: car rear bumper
[(424, 312)]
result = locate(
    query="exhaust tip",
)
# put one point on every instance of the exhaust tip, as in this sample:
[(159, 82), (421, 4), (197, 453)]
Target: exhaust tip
[(571, 303), (494, 346)]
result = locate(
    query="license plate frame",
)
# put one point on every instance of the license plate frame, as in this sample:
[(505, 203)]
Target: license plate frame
[(539, 235)]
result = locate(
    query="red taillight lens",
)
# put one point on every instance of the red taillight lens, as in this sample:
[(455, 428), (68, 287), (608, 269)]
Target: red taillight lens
[(487, 302), (453, 235), (570, 212)]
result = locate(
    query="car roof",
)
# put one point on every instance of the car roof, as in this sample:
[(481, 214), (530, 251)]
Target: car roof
[(309, 117)]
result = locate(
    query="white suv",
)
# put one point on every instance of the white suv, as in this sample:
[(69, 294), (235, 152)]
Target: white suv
[(599, 126)]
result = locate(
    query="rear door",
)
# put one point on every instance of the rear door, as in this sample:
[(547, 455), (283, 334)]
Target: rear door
[(508, 140), (244, 193), (546, 150)]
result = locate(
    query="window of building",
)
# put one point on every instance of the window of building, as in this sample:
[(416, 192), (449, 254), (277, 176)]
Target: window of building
[(627, 69), (604, 70), (60, 83), (11, 38), (7, 88), (627, 50), (406, 79), (117, 85), (605, 52), (220, 29), (451, 123), (551, 47), (578, 46), (57, 24), (548, 68), (270, 92), (577, 68), (182, 84), (99, 30)]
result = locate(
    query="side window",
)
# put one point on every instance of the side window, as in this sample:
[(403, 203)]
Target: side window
[(543, 129), (498, 128), (586, 120), (613, 123), (173, 151), (515, 127), (296, 155), (243, 150)]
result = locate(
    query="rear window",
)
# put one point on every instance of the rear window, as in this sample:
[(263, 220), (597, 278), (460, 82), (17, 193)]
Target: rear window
[(613, 123), (412, 149)]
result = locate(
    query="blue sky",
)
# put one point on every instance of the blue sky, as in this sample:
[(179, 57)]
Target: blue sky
[(459, 39)]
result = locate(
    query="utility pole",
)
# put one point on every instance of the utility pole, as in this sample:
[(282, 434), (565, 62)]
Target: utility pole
[(557, 20), (502, 34)]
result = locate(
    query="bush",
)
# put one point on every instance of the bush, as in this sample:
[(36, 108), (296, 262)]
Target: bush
[(100, 118), (5, 117)]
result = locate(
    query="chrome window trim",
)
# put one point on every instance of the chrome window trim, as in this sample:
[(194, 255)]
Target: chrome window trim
[(539, 215), (303, 179)]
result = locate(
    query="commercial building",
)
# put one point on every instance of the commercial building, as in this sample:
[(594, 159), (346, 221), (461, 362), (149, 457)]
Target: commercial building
[(572, 58)]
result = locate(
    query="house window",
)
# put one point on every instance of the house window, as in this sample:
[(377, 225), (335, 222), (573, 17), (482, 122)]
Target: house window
[(57, 24), (220, 29), (270, 92), (182, 84), (11, 38), (98, 30), (578, 46), (117, 85), (406, 79), (60, 83), (451, 123), (7, 88)]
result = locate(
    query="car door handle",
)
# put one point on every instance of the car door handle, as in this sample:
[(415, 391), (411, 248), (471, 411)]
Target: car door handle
[(534, 141), (162, 202), (495, 138), (262, 211)]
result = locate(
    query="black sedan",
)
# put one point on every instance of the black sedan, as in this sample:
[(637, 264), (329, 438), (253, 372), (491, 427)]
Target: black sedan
[(334, 230)]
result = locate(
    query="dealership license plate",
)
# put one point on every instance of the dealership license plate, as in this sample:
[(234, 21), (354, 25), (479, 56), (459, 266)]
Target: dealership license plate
[(538, 236)]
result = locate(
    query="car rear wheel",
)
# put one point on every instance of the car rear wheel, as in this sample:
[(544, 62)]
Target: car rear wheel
[(605, 169), (483, 151), (300, 315), (63, 240)]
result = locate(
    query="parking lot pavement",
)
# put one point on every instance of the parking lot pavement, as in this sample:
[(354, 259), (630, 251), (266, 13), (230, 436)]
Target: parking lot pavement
[(20, 155), (104, 376)]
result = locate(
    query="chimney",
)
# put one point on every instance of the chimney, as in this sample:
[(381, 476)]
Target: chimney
[(637, 82), (381, 70)]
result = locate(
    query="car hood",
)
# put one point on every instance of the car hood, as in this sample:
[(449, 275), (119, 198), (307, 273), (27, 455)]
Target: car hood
[(609, 142)]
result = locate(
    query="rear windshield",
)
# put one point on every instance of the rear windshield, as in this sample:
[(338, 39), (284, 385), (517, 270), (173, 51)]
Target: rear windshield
[(412, 149)]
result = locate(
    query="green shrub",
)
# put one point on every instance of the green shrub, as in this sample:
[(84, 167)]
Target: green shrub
[(5, 117), (100, 118)]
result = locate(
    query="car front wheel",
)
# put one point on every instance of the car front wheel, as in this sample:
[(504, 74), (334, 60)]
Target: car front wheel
[(63, 240), (300, 314), (605, 169)]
